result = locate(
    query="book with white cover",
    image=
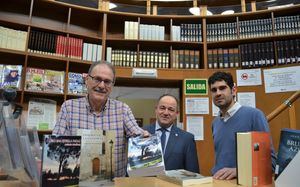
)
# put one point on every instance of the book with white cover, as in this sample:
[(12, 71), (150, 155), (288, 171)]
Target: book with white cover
[(184, 177)]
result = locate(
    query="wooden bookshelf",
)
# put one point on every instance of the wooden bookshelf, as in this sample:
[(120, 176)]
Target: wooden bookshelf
[(107, 29)]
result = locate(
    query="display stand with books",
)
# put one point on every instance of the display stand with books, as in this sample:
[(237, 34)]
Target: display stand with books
[(18, 166)]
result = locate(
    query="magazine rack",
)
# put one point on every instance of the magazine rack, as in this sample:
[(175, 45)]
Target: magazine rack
[(290, 175), (11, 176)]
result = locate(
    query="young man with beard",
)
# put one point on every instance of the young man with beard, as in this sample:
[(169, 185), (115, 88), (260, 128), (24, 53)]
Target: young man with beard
[(232, 118), (178, 146), (98, 111)]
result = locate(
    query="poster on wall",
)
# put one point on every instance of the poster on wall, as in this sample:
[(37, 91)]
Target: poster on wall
[(282, 79), (248, 77), (247, 99), (194, 125), (196, 105)]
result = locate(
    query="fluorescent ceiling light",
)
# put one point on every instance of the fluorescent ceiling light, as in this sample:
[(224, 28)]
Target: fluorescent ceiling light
[(112, 5), (280, 6), (226, 12), (196, 11), (270, 1)]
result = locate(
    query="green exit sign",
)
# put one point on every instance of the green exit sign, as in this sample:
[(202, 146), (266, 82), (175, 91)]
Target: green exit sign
[(195, 86)]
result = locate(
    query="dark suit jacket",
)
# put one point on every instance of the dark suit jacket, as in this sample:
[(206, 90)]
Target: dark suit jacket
[(180, 151)]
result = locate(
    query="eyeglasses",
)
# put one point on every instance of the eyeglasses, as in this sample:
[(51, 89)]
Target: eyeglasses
[(98, 80)]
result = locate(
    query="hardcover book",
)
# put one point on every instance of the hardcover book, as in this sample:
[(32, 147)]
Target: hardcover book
[(184, 178), (254, 167), (60, 161), (97, 160), (289, 146), (145, 157)]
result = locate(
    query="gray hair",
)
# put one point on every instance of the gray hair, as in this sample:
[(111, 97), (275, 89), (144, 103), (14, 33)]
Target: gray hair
[(103, 62)]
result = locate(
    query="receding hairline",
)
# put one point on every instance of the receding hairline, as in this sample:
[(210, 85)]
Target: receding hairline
[(168, 95), (100, 63)]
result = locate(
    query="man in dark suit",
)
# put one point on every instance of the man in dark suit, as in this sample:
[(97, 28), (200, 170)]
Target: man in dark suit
[(178, 146)]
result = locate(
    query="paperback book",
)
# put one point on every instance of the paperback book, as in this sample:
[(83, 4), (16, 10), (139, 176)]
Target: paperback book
[(289, 146), (60, 161), (76, 83), (11, 76), (34, 79), (184, 178), (145, 157), (97, 162), (41, 114), (54, 81)]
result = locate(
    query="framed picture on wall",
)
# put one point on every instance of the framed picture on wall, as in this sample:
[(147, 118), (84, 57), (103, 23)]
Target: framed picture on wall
[(139, 121)]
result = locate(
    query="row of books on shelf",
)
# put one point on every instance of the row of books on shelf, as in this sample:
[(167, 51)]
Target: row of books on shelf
[(223, 58), (287, 25), (217, 31), (255, 28), (145, 32), (221, 32), (288, 51), (148, 59), (58, 45), (124, 58), (151, 32), (186, 59), (12, 39), (152, 59), (187, 32), (257, 55)]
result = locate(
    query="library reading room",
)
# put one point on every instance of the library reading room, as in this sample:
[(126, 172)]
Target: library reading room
[(149, 93)]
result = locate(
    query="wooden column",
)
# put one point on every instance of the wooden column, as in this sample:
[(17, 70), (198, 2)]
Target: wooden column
[(253, 6), (154, 10), (195, 3), (203, 10), (148, 7), (100, 5), (243, 5)]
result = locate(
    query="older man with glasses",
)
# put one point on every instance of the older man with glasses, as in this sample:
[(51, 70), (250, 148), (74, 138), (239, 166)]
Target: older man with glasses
[(98, 111)]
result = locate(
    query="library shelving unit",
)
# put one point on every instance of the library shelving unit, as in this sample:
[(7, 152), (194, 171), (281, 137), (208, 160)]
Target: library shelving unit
[(181, 46)]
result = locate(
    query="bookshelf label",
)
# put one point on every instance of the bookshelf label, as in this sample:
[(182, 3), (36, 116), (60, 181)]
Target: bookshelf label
[(195, 86)]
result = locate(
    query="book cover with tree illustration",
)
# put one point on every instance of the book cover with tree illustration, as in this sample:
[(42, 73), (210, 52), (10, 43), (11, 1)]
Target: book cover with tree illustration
[(145, 156), (60, 161)]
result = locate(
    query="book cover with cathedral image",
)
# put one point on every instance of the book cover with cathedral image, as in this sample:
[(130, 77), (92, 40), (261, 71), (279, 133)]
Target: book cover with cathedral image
[(97, 155)]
